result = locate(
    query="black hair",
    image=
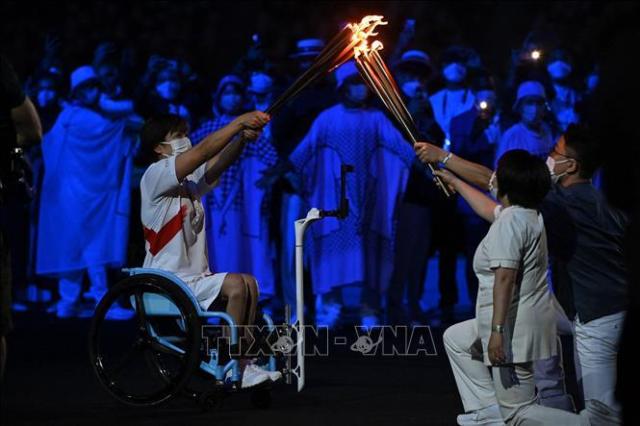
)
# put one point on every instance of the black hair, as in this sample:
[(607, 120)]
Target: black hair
[(153, 132), (583, 147), (523, 177)]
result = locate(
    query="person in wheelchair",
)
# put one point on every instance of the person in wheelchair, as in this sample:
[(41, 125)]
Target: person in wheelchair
[(173, 216)]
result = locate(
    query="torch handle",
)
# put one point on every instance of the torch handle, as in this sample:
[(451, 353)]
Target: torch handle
[(338, 48), (439, 183)]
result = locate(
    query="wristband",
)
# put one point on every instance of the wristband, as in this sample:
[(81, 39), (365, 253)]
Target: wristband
[(447, 158), (497, 328)]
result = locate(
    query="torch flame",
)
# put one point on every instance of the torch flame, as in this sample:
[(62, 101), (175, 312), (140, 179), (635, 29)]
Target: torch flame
[(366, 27), (361, 49), (377, 45), (364, 49)]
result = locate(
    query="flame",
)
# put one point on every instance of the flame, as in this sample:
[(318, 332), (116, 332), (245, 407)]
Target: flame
[(366, 27), (377, 45), (363, 48)]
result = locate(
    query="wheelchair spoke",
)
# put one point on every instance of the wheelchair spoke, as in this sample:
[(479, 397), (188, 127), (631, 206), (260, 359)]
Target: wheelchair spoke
[(166, 348), (140, 312), (116, 370)]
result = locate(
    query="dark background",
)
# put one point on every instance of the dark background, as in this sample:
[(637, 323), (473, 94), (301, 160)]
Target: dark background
[(212, 36)]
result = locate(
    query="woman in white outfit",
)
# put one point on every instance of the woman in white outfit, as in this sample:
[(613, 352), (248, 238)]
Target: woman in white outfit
[(515, 322), (173, 216)]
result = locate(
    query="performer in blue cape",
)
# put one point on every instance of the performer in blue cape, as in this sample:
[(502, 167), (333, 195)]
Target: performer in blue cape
[(84, 212), (237, 210), (358, 249)]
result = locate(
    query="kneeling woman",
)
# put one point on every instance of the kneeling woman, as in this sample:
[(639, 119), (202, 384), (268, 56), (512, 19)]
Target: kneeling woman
[(173, 217), (515, 321)]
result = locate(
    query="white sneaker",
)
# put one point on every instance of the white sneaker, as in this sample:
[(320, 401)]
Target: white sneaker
[(273, 375), (253, 375), (489, 416)]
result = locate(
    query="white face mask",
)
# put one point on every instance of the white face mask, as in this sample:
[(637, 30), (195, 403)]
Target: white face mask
[(168, 90), (454, 72), (493, 186), (178, 146), (592, 82), (551, 164), (46, 97), (559, 70), (358, 93), (412, 88)]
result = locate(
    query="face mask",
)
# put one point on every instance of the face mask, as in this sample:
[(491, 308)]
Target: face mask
[(454, 73), (261, 103), (592, 82), (559, 70), (230, 103), (178, 146), (551, 164), (89, 96), (168, 90), (530, 113), (411, 88), (358, 93), (46, 97), (493, 186)]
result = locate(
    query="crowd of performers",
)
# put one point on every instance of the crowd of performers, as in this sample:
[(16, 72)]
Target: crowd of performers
[(218, 191)]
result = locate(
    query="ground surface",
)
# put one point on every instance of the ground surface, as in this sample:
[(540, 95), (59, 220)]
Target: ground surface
[(50, 382)]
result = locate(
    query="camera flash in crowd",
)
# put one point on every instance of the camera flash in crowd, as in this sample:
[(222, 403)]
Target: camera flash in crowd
[(535, 54), (484, 105)]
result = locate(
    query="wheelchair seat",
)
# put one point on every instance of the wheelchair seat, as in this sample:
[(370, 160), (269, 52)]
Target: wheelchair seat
[(156, 304)]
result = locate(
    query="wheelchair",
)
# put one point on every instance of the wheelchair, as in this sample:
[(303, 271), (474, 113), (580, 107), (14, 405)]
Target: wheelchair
[(163, 351)]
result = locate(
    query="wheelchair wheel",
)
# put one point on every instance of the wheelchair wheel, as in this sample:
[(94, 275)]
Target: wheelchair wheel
[(148, 359)]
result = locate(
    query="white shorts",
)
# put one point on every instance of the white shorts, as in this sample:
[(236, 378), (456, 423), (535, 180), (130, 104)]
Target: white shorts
[(206, 289)]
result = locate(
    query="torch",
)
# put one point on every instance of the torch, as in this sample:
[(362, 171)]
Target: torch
[(338, 51), (377, 76)]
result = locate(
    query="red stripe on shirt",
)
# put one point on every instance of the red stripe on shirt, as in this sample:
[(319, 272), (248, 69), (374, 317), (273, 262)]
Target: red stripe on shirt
[(157, 240)]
